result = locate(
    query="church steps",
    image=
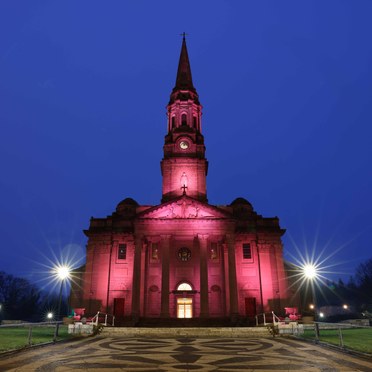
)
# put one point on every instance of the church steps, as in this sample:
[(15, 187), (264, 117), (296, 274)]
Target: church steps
[(199, 332)]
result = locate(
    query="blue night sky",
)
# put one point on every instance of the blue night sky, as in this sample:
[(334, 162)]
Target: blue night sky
[(286, 90)]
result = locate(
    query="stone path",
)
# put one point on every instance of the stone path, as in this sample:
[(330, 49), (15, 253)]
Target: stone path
[(182, 354)]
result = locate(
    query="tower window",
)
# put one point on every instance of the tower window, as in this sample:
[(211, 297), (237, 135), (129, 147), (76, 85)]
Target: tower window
[(184, 119), (173, 122), (247, 253), (122, 252), (194, 121)]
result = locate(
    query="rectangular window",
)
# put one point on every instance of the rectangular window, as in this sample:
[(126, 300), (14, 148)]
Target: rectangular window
[(213, 253), (154, 251), (247, 253), (122, 252)]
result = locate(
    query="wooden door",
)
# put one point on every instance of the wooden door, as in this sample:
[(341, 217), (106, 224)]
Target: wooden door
[(250, 306), (119, 307)]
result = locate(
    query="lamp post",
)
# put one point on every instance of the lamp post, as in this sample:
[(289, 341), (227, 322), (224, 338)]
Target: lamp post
[(309, 272), (62, 273)]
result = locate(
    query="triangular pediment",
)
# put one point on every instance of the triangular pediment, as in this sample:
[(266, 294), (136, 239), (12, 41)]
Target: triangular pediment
[(186, 208)]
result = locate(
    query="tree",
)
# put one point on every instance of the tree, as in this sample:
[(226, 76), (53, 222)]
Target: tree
[(363, 276), (18, 297)]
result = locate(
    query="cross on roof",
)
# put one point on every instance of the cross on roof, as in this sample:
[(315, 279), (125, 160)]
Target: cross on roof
[(184, 187)]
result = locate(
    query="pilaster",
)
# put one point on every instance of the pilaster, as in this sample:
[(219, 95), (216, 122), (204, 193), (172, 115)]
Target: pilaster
[(136, 285), (204, 308), (232, 276), (164, 250)]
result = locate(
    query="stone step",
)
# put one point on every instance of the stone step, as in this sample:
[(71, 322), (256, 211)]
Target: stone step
[(184, 323), (200, 332)]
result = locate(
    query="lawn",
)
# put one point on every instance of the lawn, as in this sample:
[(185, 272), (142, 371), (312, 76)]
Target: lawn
[(17, 337), (359, 339)]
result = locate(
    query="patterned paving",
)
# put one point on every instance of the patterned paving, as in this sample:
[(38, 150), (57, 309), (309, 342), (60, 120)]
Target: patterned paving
[(182, 354)]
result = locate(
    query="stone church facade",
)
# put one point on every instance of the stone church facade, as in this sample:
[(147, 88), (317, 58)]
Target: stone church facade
[(183, 258)]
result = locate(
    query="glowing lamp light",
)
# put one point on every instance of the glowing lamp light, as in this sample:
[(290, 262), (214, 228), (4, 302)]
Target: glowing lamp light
[(345, 307), (63, 272), (321, 315), (310, 271), (311, 306), (50, 316)]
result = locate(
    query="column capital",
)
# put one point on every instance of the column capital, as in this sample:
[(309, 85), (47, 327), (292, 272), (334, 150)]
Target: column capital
[(230, 237), (138, 237), (202, 236)]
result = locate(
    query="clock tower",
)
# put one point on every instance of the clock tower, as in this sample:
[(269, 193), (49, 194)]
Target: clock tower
[(184, 166)]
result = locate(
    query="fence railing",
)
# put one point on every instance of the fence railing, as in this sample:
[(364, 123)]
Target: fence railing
[(14, 336), (104, 319), (267, 318), (342, 335)]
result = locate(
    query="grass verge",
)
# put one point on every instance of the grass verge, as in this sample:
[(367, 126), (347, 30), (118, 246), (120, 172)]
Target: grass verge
[(358, 339), (17, 337)]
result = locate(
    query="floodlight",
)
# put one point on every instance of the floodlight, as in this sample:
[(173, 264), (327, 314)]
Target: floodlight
[(309, 271), (63, 272)]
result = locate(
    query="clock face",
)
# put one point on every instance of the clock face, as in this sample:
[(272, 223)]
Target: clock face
[(184, 145)]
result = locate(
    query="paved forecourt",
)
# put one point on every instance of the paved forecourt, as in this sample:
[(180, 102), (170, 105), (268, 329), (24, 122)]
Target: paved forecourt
[(182, 354)]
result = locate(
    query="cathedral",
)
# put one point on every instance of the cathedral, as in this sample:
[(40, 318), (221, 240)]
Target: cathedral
[(183, 258)]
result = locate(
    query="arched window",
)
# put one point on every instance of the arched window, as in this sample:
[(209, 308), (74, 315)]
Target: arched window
[(184, 287), (194, 121), (173, 122), (184, 119)]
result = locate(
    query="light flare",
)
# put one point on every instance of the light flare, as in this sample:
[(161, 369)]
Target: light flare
[(310, 271), (62, 272)]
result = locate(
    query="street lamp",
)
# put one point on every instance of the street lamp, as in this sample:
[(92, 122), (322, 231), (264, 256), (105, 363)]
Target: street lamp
[(310, 271), (61, 273), (310, 274), (50, 316)]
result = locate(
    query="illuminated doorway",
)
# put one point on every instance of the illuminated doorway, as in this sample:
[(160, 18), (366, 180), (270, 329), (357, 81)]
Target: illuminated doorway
[(184, 308), (184, 304)]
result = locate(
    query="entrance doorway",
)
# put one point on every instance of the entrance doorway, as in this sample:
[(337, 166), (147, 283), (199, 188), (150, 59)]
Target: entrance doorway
[(119, 307), (184, 308), (250, 306)]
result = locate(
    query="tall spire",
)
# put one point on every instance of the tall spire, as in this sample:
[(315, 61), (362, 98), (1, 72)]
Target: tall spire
[(184, 150), (184, 78)]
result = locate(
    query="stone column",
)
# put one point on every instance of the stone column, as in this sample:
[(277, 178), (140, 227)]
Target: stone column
[(136, 285), (204, 308), (232, 277), (143, 278), (225, 264), (164, 251)]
